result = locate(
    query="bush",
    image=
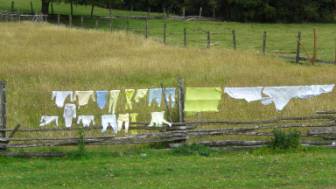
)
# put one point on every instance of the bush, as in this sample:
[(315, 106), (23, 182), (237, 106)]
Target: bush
[(283, 140)]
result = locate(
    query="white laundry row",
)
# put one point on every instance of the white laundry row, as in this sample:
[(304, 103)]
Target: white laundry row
[(111, 97), (279, 96), (117, 123)]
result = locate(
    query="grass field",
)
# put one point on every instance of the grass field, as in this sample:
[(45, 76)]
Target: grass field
[(281, 38), (143, 168)]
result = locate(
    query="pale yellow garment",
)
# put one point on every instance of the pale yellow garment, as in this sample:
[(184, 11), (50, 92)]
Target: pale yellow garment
[(129, 93), (140, 94), (205, 99), (83, 97), (123, 119), (134, 118), (114, 95)]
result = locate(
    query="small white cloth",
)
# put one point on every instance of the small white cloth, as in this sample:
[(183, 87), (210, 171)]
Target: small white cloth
[(248, 94), (281, 96), (123, 119), (47, 120), (109, 121), (83, 97), (140, 94), (86, 120), (158, 120), (61, 96), (69, 114)]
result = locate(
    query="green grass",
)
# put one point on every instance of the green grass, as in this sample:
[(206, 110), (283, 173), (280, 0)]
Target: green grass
[(281, 37), (143, 168)]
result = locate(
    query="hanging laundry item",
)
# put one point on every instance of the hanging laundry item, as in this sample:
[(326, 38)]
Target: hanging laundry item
[(140, 94), (101, 99), (169, 94), (61, 96), (123, 119), (86, 120), (109, 121), (47, 120), (69, 114), (249, 94), (158, 120), (129, 93), (281, 96), (83, 97), (204, 99), (134, 119), (155, 95), (114, 95)]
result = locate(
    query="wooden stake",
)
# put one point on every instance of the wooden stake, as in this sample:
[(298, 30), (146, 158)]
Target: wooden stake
[(70, 21), (181, 100), (209, 39), (3, 108), (298, 47), (234, 39), (165, 33), (82, 21), (146, 28), (185, 37), (264, 43), (315, 48), (58, 19)]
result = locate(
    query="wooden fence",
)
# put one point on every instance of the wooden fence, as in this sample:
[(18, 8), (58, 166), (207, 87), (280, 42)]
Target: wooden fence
[(206, 39)]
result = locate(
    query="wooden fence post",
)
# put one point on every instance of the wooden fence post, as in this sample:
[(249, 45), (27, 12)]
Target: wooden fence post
[(264, 43), (58, 19), (70, 21), (181, 100), (31, 8), (165, 33), (12, 6), (82, 21), (298, 47), (2, 108), (208, 39), (200, 11), (234, 39), (19, 17), (111, 24), (146, 28), (97, 23), (185, 42), (315, 47), (183, 12), (127, 24)]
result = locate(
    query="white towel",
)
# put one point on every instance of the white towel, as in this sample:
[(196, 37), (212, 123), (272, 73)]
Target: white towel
[(47, 120), (86, 120), (158, 120), (109, 121), (249, 94), (61, 96), (83, 97)]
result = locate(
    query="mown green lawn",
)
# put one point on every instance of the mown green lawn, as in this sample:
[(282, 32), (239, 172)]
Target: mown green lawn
[(143, 168)]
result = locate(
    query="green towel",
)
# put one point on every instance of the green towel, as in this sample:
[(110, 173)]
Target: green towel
[(202, 99)]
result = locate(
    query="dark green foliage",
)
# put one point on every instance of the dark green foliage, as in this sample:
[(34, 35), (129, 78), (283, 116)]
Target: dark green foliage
[(192, 150), (282, 140)]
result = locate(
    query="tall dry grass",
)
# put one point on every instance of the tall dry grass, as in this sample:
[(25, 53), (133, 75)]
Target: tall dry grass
[(39, 58)]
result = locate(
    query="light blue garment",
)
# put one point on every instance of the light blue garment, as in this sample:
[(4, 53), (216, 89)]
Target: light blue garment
[(101, 98), (155, 95), (170, 96)]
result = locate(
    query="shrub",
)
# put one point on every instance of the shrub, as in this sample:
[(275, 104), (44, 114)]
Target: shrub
[(283, 140)]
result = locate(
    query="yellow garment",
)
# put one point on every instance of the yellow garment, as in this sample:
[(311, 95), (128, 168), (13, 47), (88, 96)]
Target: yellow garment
[(134, 118), (140, 93), (129, 93), (204, 99), (114, 95), (83, 97)]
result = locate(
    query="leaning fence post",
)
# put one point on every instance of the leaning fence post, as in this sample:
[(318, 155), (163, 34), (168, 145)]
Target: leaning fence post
[(181, 100), (146, 28), (165, 33), (298, 46), (31, 7), (2, 109), (209, 39), (185, 37), (264, 43), (58, 19), (234, 40)]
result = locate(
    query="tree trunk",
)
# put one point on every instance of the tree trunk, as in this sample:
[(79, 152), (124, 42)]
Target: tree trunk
[(45, 7)]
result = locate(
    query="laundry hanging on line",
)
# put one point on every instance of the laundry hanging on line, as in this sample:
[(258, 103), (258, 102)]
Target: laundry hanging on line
[(47, 120), (249, 94), (61, 96), (140, 94), (69, 114), (86, 120), (123, 120), (114, 96), (202, 99), (169, 94), (101, 99), (155, 96), (129, 93), (109, 121), (158, 120), (83, 97)]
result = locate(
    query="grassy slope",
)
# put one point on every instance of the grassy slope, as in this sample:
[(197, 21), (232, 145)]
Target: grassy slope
[(161, 169), (40, 58), (281, 37)]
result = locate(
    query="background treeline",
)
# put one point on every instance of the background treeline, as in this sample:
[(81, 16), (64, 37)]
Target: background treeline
[(235, 10)]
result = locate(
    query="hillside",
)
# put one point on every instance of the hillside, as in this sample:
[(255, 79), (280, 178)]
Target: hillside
[(39, 58)]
